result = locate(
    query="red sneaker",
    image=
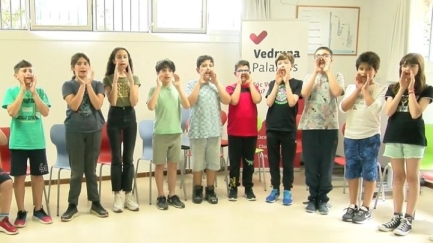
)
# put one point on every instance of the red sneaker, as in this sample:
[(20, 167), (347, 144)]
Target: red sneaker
[(7, 227)]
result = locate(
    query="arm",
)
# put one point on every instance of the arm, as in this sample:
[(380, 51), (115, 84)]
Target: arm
[(3, 140), (224, 96), (416, 109), (377, 104), (292, 99), (392, 103), (183, 99), (193, 94), (307, 88), (133, 91), (349, 98), (236, 94), (42, 107), (272, 93), (255, 94), (111, 90), (153, 97), (334, 85), (95, 99), (74, 100), (15, 106)]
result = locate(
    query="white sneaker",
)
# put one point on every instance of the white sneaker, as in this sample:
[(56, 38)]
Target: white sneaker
[(118, 204), (130, 202)]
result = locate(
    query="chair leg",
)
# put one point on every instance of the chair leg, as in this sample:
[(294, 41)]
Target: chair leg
[(135, 182), (184, 166), (150, 183), (58, 192), (381, 190), (49, 184), (182, 177), (226, 174)]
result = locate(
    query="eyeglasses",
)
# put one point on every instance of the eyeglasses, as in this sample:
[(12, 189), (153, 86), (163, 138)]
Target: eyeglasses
[(243, 71), (326, 55)]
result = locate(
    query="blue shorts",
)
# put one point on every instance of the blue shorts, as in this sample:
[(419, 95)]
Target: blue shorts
[(361, 157)]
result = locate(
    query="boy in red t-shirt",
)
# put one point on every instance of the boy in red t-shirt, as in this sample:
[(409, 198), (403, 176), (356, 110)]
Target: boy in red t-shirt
[(242, 130)]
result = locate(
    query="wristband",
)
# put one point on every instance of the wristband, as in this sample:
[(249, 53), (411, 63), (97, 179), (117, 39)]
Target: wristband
[(411, 92)]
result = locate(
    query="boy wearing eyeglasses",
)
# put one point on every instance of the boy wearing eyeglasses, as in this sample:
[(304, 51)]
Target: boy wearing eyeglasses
[(282, 99), (319, 125), (242, 130)]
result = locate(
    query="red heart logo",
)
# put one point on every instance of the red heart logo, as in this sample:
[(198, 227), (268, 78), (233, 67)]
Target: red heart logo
[(258, 38)]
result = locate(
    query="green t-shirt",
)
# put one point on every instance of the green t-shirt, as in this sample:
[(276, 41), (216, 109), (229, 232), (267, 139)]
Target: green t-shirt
[(27, 131), (122, 89), (167, 111)]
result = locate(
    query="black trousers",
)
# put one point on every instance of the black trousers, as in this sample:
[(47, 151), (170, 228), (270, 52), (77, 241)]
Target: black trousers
[(122, 125), (241, 150), (319, 148), (281, 147)]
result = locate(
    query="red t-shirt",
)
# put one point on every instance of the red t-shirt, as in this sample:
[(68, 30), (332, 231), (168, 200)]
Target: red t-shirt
[(242, 118)]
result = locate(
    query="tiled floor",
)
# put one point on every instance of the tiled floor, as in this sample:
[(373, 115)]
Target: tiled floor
[(240, 221)]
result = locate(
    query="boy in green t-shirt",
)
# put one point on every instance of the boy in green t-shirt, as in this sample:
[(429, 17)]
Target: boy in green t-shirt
[(26, 104), (166, 99)]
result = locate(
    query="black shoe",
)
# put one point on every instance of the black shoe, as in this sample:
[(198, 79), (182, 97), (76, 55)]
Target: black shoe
[(211, 195), (311, 207), (197, 196), (161, 203), (405, 227), (323, 208), (233, 194), (70, 213), (175, 202), (362, 215), (350, 213), (249, 194), (98, 210)]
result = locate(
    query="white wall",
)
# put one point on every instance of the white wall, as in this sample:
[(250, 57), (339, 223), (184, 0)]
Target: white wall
[(50, 53)]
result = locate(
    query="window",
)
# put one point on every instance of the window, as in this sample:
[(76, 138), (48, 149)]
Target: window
[(421, 26), (177, 16), (125, 15), (61, 14), (13, 14), (224, 15)]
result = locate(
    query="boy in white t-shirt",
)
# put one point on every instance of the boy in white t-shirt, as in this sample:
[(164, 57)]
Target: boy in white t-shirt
[(363, 101)]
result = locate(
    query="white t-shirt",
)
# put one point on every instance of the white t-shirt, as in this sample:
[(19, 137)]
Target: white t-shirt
[(363, 121)]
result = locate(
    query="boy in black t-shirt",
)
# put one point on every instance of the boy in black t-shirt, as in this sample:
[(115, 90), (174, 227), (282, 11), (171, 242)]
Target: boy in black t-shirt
[(405, 139), (282, 100)]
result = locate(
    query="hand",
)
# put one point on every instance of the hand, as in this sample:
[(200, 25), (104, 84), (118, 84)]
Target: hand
[(129, 74), (239, 79), (91, 77), (364, 88), (213, 77), (249, 80), (33, 85), (202, 80), (404, 80), (318, 65), (279, 76), (412, 81), (327, 65), (176, 80), (22, 85), (158, 82), (116, 74)]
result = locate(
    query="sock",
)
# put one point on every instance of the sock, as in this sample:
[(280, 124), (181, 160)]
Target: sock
[(368, 209), (408, 216), (399, 214), (3, 215), (353, 206)]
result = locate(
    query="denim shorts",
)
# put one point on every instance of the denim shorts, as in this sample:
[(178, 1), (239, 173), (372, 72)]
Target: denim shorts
[(361, 157), (403, 151)]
